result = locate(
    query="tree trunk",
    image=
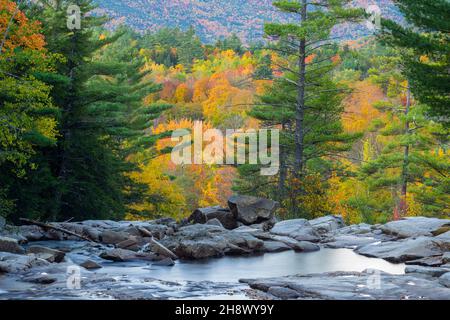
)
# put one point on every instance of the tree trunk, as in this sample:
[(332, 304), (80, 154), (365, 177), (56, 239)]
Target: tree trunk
[(300, 109), (403, 208)]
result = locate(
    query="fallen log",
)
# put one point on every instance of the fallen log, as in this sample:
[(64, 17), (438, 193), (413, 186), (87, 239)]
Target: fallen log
[(49, 226), (157, 247)]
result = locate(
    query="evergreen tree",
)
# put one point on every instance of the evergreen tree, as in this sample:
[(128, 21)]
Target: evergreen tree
[(100, 112), (427, 35), (412, 163), (305, 103)]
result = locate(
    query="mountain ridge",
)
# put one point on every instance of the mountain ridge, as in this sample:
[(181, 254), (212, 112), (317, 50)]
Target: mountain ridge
[(216, 19)]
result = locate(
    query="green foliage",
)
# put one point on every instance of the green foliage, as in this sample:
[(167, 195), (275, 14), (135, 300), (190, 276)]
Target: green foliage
[(427, 62)]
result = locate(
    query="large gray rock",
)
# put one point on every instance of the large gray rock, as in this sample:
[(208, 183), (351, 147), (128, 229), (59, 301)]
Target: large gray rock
[(300, 246), (299, 229), (90, 265), (51, 255), (275, 246), (214, 222), (250, 210), (353, 286), (118, 255), (414, 227), (14, 263), (446, 257), (357, 229), (327, 224), (202, 241), (429, 271), (10, 245), (113, 237), (203, 215), (445, 280), (403, 250), (348, 241), (434, 261), (444, 237)]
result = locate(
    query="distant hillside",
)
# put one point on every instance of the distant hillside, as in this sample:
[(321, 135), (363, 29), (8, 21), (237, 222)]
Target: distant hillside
[(214, 19)]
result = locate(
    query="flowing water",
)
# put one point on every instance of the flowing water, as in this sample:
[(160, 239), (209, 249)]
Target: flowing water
[(208, 279)]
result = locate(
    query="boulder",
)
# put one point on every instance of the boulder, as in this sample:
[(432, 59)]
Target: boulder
[(90, 265), (203, 215), (200, 241), (429, 271), (113, 237), (436, 261), (167, 262), (348, 241), (129, 244), (10, 245), (250, 210), (41, 278), (444, 237), (357, 229), (403, 250), (283, 293), (14, 263), (118, 255), (300, 246), (327, 224), (445, 280), (414, 227), (299, 229), (446, 257), (214, 222), (275, 246), (51, 255)]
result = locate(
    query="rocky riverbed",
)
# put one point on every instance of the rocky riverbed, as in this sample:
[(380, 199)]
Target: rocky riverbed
[(273, 260)]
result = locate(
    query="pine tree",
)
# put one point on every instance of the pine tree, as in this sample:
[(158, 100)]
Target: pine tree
[(100, 115), (305, 102), (426, 34), (413, 163)]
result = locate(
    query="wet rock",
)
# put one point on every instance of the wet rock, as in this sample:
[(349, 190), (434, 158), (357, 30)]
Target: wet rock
[(299, 229), (203, 215), (300, 246), (357, 229), (51, 255), (14, 263), (283, 293), (118, 255), (40, 279), (348, 241), (403, 250), (444, 237), (167, 262), (327, 224), (113, 237), (414, 227), (129, 244), (10, 245), (90, 265), (446, 257), (250, 210), (275, 246), (214, 222), (354, 286), (427, 262), (445, 280), (430, 271)]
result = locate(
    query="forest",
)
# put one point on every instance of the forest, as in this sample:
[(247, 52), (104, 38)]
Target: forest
[(86, 114)]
